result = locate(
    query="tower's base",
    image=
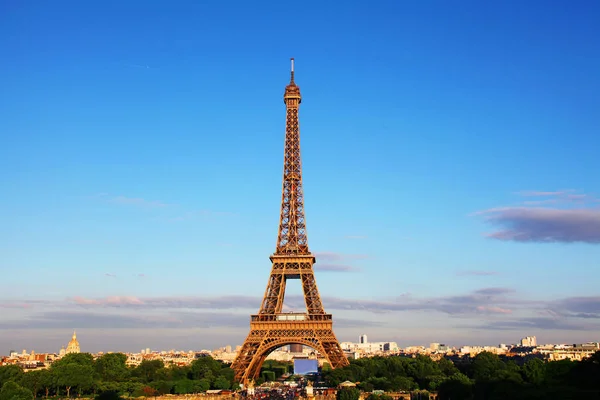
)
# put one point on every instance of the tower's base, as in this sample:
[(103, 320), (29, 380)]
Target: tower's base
[(270, 332)]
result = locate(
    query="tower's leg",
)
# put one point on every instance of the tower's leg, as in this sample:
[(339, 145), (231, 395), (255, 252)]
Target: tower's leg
[(246, 354), (273, 299), (311, 294)]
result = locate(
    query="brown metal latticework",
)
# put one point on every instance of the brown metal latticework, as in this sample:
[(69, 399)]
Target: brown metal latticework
[(271, 328)]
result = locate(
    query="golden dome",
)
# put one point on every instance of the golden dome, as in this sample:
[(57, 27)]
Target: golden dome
[(73, 346)]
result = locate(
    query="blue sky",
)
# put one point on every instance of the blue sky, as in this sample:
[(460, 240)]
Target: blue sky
[(449, 150)]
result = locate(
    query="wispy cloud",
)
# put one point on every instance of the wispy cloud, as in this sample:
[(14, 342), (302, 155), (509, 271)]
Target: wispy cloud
[(545, 225), (579, 307), (485, 300), (110, 275), (217, 303), (535, 323), (16, 305), (491, 307), (482, 301), (578, 220), (494, 310), (87, 319), (494, 291), (109, 301), (337, 262)]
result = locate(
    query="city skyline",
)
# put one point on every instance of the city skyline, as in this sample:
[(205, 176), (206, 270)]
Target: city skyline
[(448, 160), (347, 345)]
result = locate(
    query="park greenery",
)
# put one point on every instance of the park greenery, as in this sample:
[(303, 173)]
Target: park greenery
[(486, 376), (81, 375)]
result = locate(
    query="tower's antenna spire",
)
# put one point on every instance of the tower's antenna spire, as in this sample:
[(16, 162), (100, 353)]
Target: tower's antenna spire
[(292, 77)]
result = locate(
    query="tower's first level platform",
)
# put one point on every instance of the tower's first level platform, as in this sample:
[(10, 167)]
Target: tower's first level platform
[(296, 317)]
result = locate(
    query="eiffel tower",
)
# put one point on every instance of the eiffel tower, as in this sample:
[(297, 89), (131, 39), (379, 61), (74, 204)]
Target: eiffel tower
[(271, 328)]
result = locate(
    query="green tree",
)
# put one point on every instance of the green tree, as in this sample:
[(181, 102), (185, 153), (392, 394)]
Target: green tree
[(74, 375), (227, 373), (177, 373), (12, 391), (512, 372), (112, 367), (585, 374), (183, 386), (76, 358), (348, 393), (366, 386), (458, 386), (33, 381), (268, 376), (149, 370), (47, 381), (337, 376), (435, 382), (222, 383), (102, 386), (486, 366), (205, 368), (559, 373), (10, 373), (201, 385), (422, 368), (130, 387), (447, 367), (402, 383), (109, 395), (163, 387)]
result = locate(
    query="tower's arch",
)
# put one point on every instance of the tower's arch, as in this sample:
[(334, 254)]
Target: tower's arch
[(267, 348)]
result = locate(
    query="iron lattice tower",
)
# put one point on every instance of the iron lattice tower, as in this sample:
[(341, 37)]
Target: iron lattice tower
[(271, 328)]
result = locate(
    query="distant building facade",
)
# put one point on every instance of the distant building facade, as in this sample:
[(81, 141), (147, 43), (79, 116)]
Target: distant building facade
[(529, 341), (73, 346)]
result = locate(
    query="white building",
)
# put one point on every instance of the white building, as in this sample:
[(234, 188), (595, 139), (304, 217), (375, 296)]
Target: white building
[(529, 341), (367, 347)]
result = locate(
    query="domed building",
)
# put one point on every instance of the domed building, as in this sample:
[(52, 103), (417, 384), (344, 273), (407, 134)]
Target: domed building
[(73, 346)]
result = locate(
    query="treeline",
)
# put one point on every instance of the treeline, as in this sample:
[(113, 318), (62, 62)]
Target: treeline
[(272, 370), (486, 376), (81, 375)]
